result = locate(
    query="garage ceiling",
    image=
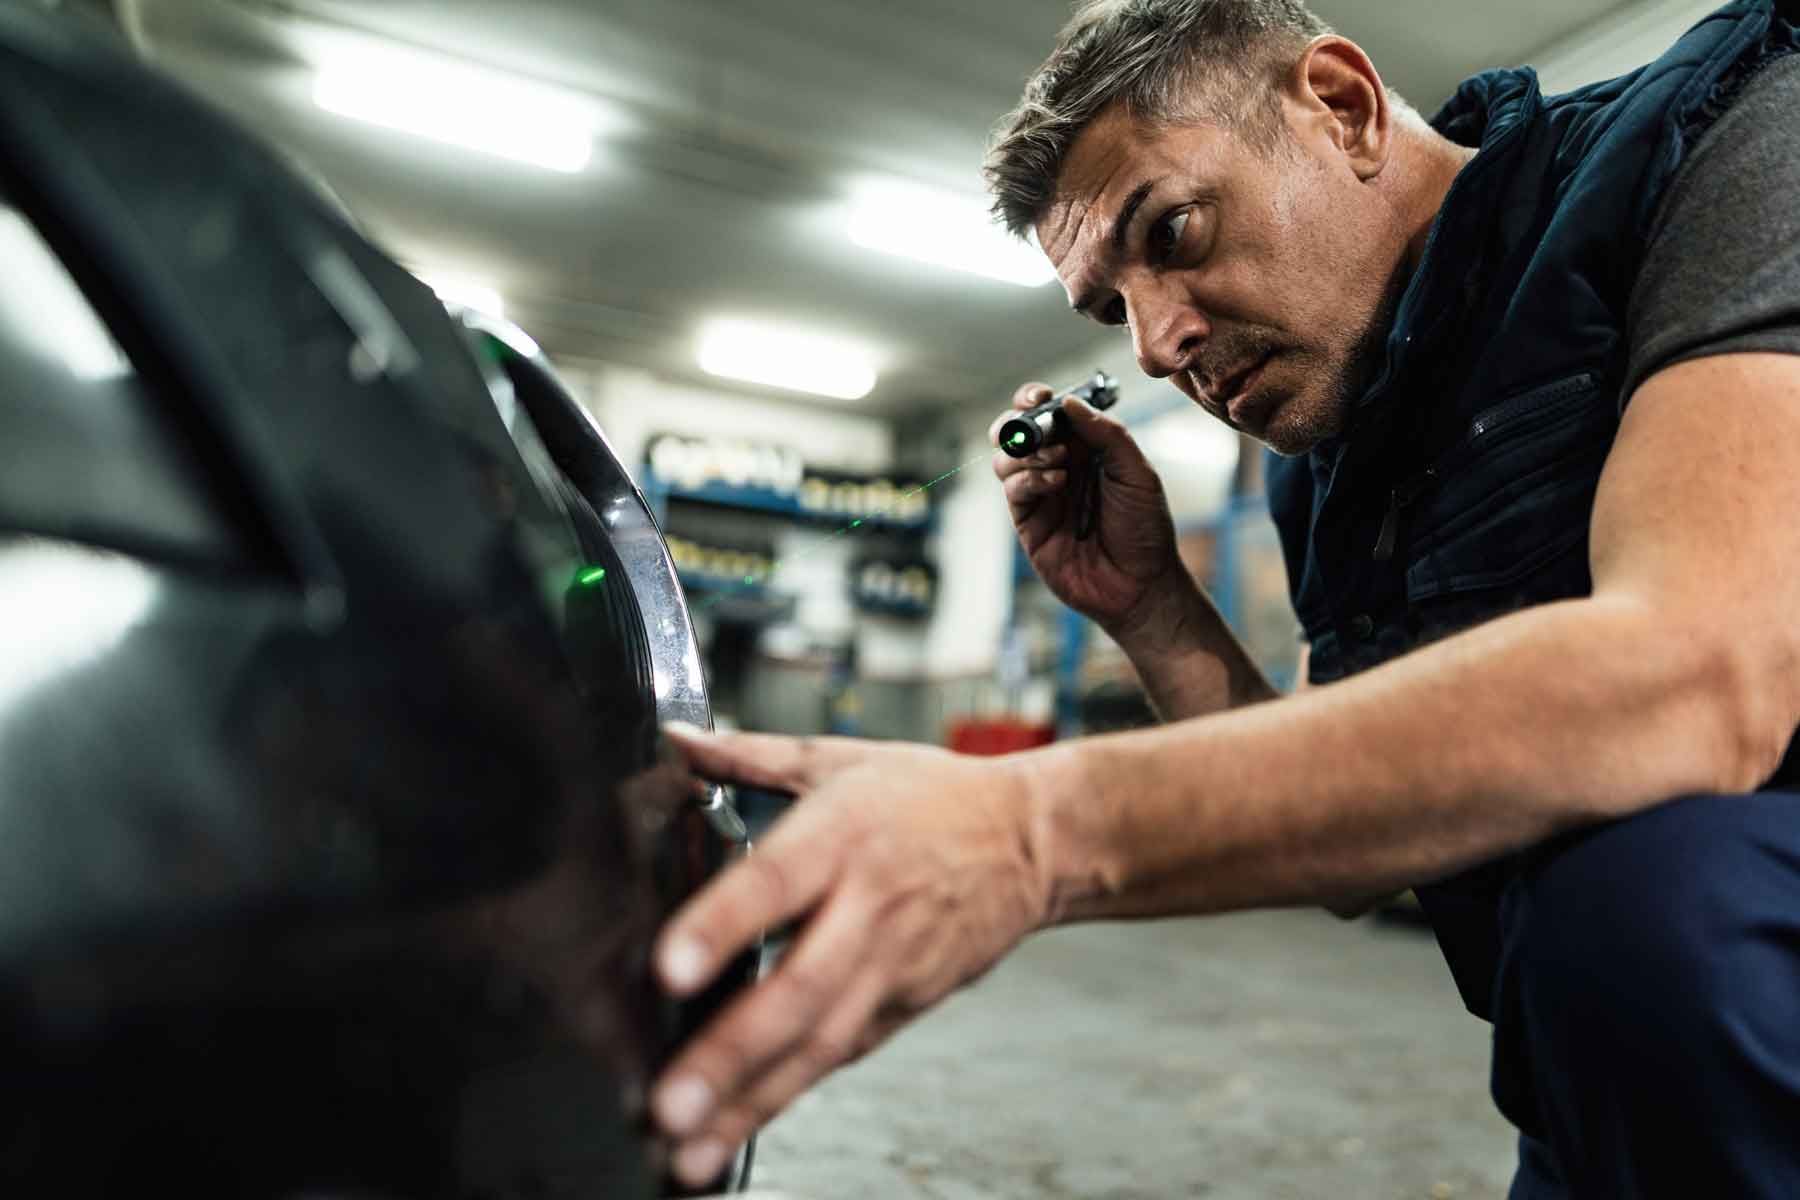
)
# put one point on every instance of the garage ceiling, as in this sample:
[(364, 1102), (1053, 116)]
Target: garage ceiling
[(742, 124)]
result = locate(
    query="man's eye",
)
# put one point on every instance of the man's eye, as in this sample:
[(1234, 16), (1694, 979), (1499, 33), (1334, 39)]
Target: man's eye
[(1165, 235)]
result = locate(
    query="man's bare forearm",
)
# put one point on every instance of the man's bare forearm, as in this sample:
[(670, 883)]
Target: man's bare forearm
[(1482, 744), (1187, 658)]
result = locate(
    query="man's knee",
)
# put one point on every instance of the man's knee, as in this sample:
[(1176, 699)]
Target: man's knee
[(1650, 1020), (1668, 937)]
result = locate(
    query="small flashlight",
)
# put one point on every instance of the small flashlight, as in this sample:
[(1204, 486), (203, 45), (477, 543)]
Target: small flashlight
[(1024, 434)]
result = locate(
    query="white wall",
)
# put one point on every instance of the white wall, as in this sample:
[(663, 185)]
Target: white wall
[(974, 552), (1616, 44), (632, 405)]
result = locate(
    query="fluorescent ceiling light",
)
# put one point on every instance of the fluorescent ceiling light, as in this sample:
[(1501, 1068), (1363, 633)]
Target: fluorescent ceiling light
[(787, 358), (457, 104), (467, 292), (944, 229)]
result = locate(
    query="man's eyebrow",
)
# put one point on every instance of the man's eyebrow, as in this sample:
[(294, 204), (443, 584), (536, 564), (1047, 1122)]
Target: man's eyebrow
[(1122, 223), (1121, 227)]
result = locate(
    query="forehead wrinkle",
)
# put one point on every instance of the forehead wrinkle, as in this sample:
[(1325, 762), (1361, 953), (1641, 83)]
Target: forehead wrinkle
[(1084, 227)]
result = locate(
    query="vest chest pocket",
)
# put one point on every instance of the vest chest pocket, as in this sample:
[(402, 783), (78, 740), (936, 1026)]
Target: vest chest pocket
[(1501, 521)]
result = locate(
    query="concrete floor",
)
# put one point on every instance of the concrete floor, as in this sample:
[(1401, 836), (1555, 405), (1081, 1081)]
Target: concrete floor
[(1268, 1055)]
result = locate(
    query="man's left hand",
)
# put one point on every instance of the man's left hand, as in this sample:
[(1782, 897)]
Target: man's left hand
[(906, 871)]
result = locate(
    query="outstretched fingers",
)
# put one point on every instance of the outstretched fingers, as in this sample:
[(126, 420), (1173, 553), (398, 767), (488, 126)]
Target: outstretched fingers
[(785, 876), (837, 1038), (773, 1042)]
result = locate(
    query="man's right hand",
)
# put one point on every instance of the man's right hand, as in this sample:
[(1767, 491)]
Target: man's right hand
[(1114, 575)]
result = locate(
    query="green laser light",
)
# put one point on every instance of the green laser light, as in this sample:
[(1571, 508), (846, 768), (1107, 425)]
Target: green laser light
[(1018, 439), (592, 576)]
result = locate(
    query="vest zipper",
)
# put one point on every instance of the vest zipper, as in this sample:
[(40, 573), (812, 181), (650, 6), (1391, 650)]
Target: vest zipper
[(1398, 499), (1542, 402)]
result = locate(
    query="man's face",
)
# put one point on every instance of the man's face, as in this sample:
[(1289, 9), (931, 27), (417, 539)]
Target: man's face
[(1259, 283)]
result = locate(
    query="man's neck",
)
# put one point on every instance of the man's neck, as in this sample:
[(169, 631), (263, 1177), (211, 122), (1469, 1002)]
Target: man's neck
[(1436, 161)]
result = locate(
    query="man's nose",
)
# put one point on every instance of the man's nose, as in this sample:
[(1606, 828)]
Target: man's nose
[(1165, 336)]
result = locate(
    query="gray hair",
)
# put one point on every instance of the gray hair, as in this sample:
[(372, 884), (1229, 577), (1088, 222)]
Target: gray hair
[(1170, 62)]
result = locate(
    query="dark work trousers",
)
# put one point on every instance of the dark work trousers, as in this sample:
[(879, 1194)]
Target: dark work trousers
[(1647, 1006)]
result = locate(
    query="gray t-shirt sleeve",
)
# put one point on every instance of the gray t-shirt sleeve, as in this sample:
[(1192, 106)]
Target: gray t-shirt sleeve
[(1721, 274)]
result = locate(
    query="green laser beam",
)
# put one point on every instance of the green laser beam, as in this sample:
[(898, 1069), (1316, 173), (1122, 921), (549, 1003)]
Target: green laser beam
[(591, 576), (1018, 439), (846, 530)]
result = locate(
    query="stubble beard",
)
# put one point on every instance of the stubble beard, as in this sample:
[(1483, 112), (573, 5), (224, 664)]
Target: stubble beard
[(1309, 424)]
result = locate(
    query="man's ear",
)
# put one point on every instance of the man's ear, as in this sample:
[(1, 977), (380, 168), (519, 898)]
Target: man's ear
[(1340, 97)]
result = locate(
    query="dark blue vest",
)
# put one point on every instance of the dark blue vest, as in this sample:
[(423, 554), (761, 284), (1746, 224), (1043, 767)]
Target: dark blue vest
[(1462, 487)]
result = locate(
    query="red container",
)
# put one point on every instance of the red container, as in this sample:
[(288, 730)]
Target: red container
[(997, 735)]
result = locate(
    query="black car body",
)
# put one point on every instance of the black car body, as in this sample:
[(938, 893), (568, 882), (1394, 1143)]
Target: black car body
[(334, 819)]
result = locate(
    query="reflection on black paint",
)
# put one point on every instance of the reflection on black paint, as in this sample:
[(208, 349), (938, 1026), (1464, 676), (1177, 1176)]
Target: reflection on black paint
[(350, 900)]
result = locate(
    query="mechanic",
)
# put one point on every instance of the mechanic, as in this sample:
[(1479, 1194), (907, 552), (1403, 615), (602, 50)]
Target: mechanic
[(1531, 374)]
